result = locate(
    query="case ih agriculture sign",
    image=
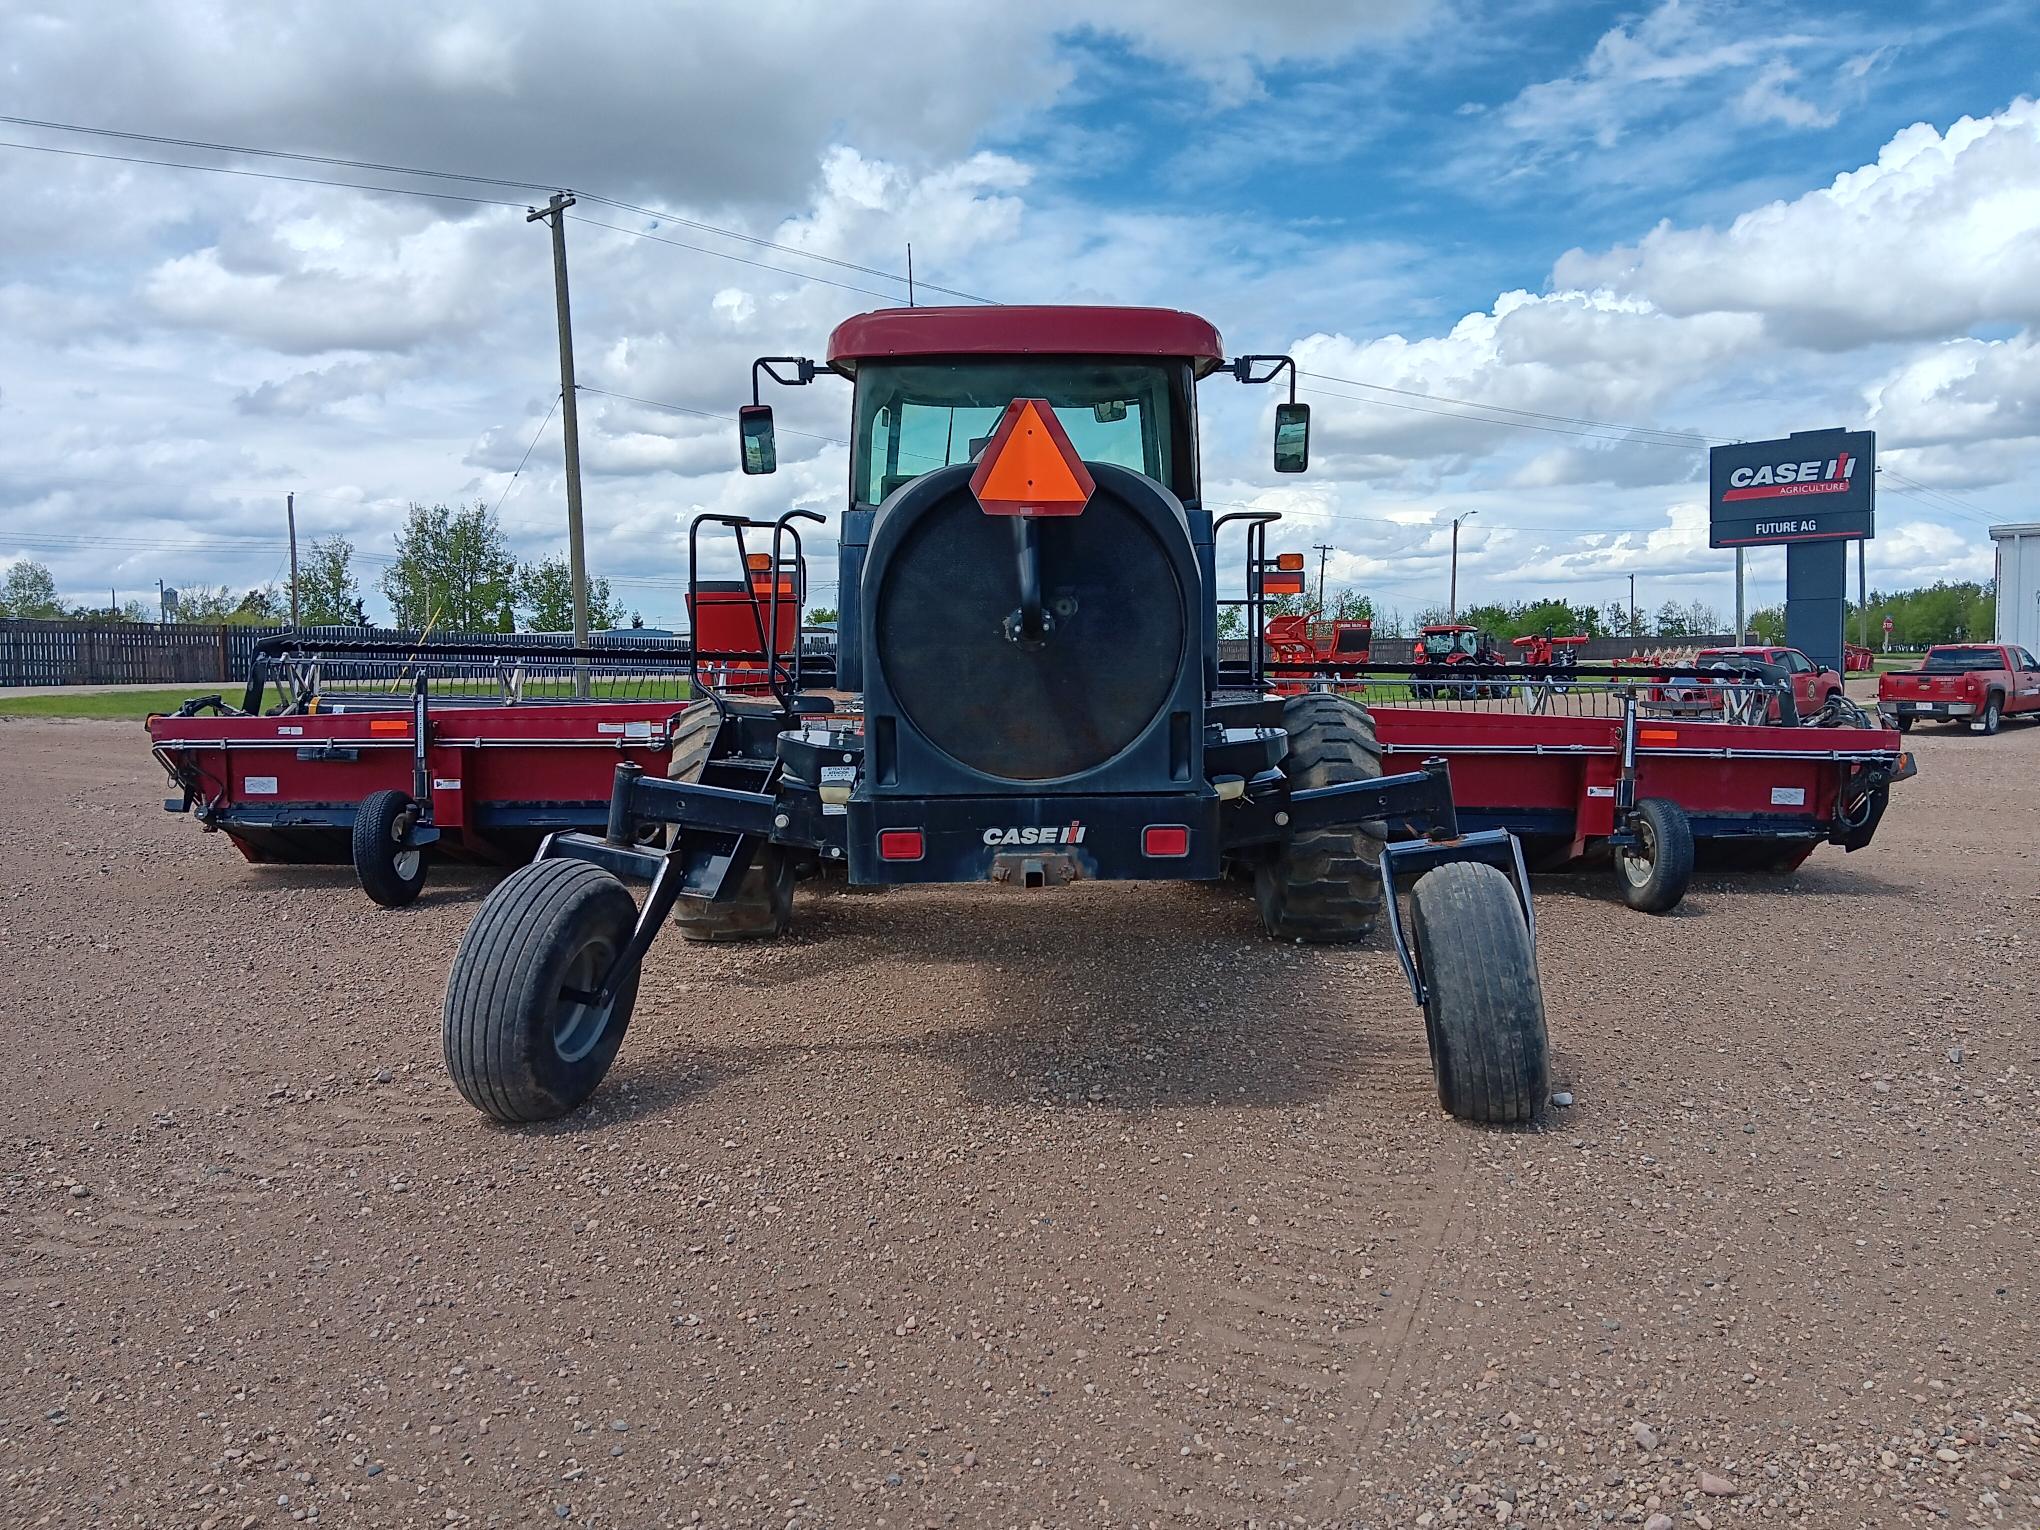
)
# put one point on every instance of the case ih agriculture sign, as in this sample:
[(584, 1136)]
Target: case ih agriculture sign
[(1814, 485)]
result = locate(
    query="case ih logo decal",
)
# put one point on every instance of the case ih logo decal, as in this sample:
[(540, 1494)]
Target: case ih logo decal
[(1767, 482), (1063, 834), (1816, 485)]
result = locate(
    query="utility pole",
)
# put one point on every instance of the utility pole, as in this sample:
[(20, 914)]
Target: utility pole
[(1323, 553), (1452, 601), (1741, 626), (1862, 599), (910, 273), (555, 213), (1633, 634), (290, 515)]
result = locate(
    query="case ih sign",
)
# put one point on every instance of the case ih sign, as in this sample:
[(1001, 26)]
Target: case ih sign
[(1815, 485)]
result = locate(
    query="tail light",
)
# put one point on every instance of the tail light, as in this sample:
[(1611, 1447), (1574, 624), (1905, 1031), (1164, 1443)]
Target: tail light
[(1165, 841), (901, 844)]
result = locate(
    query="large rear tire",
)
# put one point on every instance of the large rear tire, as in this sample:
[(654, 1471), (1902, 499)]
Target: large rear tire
[(1483, 1003), (389, 871), (762, 906), (518, 1046), (1656, 870), (1324, 885), (760, 909), (1993, 714)]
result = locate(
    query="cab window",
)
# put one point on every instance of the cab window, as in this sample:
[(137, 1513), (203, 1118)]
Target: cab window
[(915, 417)]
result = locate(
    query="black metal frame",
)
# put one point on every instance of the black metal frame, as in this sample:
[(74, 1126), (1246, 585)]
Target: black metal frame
[(783, 682)]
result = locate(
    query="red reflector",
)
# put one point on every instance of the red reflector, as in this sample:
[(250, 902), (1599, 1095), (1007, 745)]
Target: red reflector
[(1165, 841), (900, 844), (1657, 735)]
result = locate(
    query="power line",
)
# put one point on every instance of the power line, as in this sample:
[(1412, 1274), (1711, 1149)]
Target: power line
[(259, 175), (1681, 437), (1599, 434), (384, 168), (236, 148), (742, 260), (786, 249), (527, 454), (706, 414)]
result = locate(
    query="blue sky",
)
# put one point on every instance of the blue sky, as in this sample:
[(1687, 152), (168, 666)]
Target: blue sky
[(1707, 219)]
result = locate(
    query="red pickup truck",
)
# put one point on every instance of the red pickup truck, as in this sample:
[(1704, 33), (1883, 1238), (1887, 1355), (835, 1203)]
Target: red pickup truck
[(1811, 684), (1980, 684)]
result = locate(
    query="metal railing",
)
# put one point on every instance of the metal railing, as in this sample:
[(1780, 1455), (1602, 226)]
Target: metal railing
[(290, 674), (1718, 692)]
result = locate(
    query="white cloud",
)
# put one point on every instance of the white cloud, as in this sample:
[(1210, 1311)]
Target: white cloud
[(1940, 234), (1675, 60), (1566, 356), (1962, 391)]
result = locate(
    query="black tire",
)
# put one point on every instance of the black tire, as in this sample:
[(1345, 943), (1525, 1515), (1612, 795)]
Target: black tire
[(1483, 1003), (1655, 872), (762, 906), (389, 873), (1903, 722), (517, 1049), (1993, 714), (760, 909), (1324, 885)]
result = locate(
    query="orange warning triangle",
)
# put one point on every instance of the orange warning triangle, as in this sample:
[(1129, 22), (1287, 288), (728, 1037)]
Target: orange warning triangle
[(1029, 466)]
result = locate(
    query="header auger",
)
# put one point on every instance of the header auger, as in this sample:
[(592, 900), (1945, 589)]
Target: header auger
[(1028, 607)]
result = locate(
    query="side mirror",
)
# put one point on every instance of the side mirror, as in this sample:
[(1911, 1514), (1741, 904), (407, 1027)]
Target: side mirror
[(760, 453), (1292, 437)]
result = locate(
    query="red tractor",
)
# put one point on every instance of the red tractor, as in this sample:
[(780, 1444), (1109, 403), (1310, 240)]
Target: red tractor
[(1448, 646), (1543, 648), (1027, 579)]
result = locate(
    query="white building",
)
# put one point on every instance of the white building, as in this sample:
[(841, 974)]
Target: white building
[(2018, 584)]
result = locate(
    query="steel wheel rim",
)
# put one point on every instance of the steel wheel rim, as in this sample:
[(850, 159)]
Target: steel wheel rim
[(577, 1026), (405, 864), (1636, 860)]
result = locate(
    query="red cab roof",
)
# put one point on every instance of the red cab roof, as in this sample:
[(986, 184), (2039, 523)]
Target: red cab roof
[(1022, 330)]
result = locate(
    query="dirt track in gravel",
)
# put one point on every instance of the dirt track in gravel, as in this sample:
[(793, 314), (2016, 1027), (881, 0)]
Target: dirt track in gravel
[(964, 1208)]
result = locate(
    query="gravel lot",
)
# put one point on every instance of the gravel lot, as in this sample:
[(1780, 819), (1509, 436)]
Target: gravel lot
[(964, 1208)]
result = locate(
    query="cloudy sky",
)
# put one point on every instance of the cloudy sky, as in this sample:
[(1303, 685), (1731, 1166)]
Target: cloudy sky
[(1534, 256)]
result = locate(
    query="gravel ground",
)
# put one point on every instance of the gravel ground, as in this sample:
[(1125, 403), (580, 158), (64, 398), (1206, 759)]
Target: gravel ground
[(964, 1208)]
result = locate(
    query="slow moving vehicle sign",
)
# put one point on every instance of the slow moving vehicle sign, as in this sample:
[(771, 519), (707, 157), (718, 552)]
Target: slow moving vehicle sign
[(1815, 485)]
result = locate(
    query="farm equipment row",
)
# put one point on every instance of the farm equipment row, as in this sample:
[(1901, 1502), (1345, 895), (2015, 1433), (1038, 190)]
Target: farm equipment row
[(1031, 694)]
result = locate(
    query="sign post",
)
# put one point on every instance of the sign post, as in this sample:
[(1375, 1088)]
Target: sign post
[(1812, 492)]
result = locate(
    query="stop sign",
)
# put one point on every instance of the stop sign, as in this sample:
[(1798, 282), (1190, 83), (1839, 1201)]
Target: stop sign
[(1887, 624)]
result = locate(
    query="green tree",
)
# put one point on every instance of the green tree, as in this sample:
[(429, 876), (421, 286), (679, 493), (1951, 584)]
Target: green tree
[(822, 616), (1352, 606), (1768, 626), (1935, 613), (205, 603), (453, 572), (328, 595), (1671, 620), (263, 606), (1231, 623), (29, 593), (546, 592)]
